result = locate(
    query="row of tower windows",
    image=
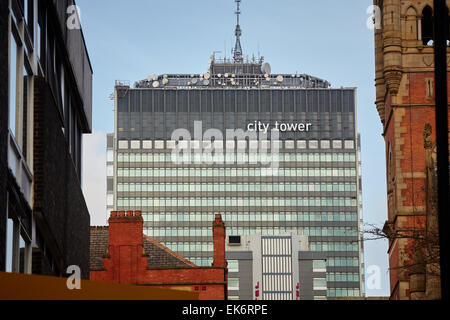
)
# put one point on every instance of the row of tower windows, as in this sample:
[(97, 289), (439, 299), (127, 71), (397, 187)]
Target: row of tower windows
[(425, 27)]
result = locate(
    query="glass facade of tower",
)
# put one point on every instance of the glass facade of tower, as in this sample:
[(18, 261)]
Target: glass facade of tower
[(315, 189)]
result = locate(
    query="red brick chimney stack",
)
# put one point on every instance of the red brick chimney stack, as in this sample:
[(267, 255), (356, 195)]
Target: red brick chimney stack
[(219, 242), (125, 228), (125, 246)]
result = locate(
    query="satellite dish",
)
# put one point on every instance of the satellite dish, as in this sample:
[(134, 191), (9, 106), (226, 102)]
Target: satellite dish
[(219, 75), (233, 75), (165, 81), (280, 78), (219, 82), (226, 75), (152, 77), (207, 76), (194, 81), (155, 84), (233, 82), (165, 76), (188, 83), (205, 82), (265, 68)]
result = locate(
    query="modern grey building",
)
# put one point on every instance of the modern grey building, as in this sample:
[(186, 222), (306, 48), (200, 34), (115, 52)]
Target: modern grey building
[(307, 182), (46, 107), (278, 267)]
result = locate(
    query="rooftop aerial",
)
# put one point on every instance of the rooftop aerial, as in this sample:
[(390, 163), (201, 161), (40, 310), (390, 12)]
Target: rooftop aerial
[(238, 72)]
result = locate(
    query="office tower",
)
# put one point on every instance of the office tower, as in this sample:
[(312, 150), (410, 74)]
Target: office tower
[(304, 177), (45, 109)]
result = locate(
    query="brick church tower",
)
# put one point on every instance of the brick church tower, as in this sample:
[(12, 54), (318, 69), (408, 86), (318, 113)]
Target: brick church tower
[(405, 98)]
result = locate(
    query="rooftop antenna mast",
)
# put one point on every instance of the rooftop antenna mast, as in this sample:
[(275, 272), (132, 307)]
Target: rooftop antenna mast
[(238, 32)]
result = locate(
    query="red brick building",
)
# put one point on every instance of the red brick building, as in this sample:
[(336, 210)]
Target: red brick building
[(122, 253), (405, 99)]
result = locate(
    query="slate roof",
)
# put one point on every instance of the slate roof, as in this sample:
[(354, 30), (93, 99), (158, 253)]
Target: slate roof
[(159, 256)]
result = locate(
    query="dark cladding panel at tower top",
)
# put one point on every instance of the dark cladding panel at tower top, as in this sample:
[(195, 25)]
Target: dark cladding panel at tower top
[(147, 113)]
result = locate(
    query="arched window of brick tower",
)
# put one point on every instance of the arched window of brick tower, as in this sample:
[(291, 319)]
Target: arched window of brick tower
[(427, 26), (411, 24)]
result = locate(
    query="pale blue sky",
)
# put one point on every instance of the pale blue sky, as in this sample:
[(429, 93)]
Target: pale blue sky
[(329, 39)]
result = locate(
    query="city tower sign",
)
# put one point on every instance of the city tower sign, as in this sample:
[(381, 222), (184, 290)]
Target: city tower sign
[(259, 126)]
